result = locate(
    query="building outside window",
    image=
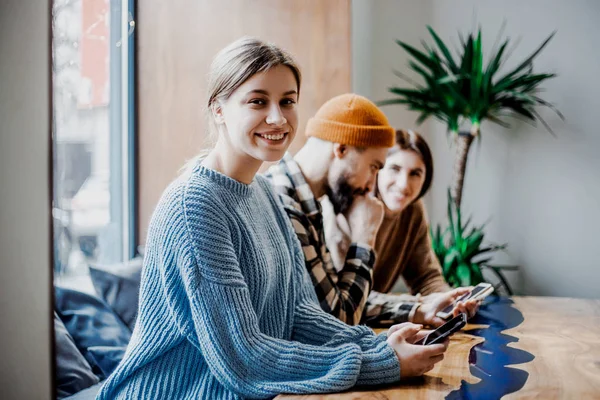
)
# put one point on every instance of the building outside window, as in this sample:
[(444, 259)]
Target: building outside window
[(93, 133)]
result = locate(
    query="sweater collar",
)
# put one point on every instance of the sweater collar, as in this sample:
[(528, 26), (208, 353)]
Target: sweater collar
[(225, 181)]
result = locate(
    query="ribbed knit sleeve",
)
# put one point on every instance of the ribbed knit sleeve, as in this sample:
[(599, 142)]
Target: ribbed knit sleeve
[(226, 329), (312, 325)]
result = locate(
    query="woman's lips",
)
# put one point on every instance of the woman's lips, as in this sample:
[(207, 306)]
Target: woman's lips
[(273, 137)]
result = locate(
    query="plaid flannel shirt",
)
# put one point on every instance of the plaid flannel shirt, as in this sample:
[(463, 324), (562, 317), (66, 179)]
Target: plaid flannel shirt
[(344, 293)]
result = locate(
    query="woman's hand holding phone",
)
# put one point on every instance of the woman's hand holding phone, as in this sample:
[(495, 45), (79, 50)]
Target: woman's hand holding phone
[(468, 307), (445, 331), (432, 304), (414, 360)]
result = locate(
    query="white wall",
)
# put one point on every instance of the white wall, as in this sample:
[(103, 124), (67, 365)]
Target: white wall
[(541, 193), (25, 201)]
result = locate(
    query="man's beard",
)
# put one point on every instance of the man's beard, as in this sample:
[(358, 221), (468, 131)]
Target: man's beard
[(341, 194)]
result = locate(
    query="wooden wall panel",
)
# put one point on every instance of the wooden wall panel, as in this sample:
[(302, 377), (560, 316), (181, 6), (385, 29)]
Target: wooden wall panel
[(176, 41)]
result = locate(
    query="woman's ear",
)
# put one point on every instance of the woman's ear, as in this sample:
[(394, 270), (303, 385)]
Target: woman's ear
[(217, 111)]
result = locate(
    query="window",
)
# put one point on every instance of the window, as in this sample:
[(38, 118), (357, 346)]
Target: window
[(93, 97)]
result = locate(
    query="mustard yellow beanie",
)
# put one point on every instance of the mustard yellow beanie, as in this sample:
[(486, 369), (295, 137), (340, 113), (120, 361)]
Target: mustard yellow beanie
[(353, 120)]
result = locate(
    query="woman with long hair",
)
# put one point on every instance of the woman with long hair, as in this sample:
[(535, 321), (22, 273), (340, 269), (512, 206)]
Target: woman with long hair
[(226, 306), (402, 247)]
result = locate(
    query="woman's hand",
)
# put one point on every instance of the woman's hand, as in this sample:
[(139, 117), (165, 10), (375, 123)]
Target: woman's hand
[(415, 360), (434, 303), (468, 307)]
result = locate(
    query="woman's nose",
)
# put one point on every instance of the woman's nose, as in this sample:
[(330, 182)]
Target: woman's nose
[(275, 116), (402, 182)]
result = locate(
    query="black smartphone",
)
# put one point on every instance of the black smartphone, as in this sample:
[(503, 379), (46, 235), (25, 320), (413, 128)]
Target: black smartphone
[(444, 331)]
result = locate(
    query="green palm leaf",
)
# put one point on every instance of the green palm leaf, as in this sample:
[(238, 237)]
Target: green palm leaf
[(463, 88), (527, 62), (449, 59)]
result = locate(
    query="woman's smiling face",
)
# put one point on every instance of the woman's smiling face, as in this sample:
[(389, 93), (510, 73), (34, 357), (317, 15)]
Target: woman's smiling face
[(261, 116), (400, 181)]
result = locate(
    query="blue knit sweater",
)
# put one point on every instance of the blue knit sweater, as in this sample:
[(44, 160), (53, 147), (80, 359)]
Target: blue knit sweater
[(227, 309)]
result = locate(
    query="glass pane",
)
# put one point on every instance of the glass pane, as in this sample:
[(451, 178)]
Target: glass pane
[(90, 194)]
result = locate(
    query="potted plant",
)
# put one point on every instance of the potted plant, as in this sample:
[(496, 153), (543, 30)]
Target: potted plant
[(464, 90), (461, 252)]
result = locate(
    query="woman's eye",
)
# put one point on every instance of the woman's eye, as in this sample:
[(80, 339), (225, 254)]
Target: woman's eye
[(260, 102), (287, 102), (416, 173)]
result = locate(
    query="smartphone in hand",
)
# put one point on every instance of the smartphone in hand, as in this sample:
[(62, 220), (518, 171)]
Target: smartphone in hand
[(479, 292), (444, 331)]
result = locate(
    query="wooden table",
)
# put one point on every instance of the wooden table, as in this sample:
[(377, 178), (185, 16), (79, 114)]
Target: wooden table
[(518, 348)]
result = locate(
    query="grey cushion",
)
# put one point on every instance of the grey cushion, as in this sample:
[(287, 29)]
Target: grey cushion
[(87, 394), (92, 325), (106, 358), (118, 285), (73, 372)]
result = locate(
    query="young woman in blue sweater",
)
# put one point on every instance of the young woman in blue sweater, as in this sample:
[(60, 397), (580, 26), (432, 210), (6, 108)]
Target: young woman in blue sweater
[(227, 309)]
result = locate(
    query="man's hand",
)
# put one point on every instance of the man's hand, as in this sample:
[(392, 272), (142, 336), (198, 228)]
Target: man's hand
[(364, 218), (415, 360), (434, 303)]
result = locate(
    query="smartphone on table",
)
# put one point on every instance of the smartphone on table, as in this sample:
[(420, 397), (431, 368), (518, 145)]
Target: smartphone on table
[(444, 331), (479, 292)]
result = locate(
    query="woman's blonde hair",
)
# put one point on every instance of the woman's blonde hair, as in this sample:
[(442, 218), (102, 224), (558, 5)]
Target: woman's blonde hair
[(233, 66)]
